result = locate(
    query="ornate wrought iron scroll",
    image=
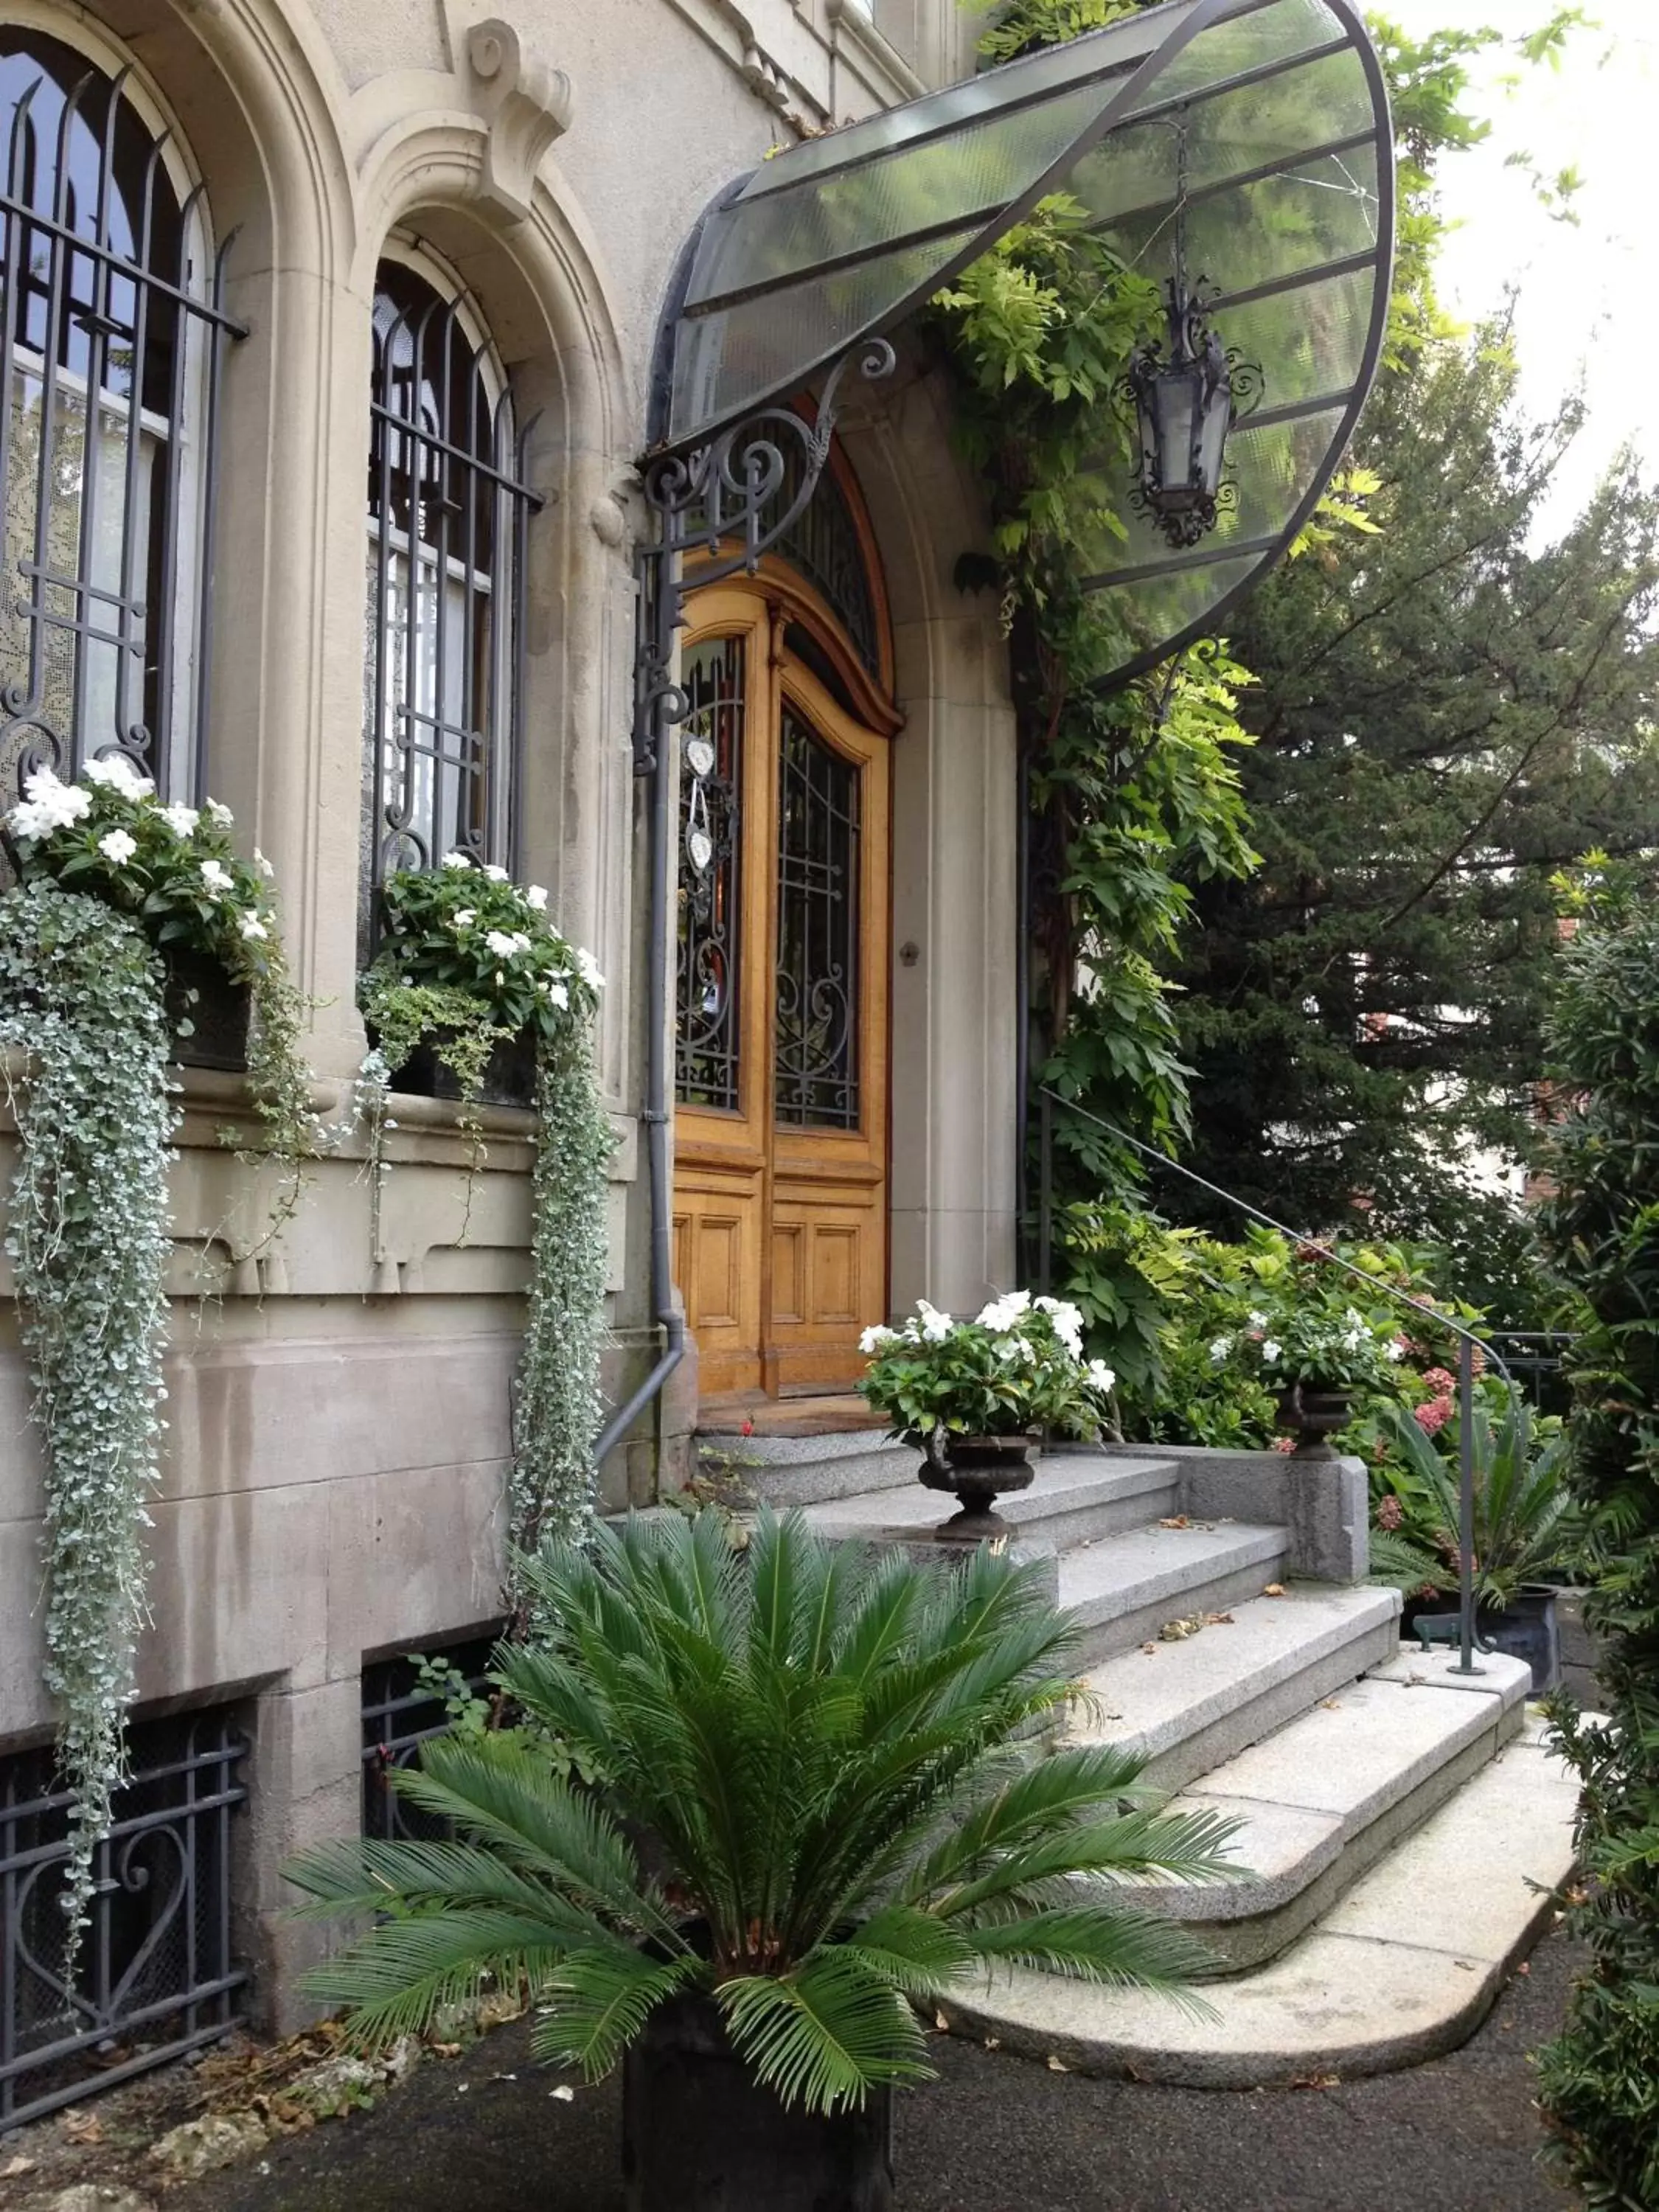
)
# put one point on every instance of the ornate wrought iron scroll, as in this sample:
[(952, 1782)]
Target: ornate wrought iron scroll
[(112, 333), (707, 1069), (732, 500), (816, 1032), (156, 1975)]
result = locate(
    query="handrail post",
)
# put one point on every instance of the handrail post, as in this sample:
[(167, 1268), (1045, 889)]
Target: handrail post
[(1046, 1195), (1466, 1507)]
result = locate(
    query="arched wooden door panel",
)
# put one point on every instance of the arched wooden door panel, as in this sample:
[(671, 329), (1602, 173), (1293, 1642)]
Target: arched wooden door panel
[(781, 1058)]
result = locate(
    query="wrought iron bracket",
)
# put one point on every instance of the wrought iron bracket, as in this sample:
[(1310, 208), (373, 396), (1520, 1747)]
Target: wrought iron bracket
[(718, 502)]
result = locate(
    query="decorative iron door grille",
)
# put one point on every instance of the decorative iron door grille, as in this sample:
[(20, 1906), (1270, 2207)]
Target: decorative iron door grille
[(816, 1026), (111, 332), (154, 1975), (708, 1070), (399, 1714)]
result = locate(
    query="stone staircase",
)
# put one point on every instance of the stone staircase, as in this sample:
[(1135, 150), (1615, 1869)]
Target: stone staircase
[(1402, 1826)]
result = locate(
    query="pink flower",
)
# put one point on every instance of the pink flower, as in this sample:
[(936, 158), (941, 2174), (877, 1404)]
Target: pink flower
[(1389, 1513), (1283, 1444), (1440, 1382), (1433, 1417)]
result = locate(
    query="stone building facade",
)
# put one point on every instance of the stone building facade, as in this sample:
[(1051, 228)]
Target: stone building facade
[(339, 1399)]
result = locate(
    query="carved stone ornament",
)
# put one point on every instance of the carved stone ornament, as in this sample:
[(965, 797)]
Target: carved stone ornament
[(528, 103)]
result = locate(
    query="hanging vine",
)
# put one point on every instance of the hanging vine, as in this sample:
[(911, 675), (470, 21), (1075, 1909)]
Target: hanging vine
[(84, 1027), (470, 963)]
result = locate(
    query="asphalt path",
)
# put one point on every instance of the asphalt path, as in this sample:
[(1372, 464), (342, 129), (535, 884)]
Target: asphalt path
[(486, 2133)]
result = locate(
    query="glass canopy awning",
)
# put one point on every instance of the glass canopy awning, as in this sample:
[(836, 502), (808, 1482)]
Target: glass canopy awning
[(1263, 123)]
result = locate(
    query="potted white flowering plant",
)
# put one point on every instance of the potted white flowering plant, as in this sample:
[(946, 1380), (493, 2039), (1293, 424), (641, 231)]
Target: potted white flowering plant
[(174, 870), (973, 1393), (1318, 1357), (471, 980)]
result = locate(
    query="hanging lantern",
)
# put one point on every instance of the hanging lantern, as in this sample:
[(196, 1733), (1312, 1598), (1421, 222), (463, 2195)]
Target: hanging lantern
[(1188, 394)]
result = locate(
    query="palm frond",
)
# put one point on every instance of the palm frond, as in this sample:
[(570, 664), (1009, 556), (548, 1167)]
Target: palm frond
[(398, 1975), (916, 1951), (594, 2003), (1131, 1950), (825, 2034), (360, 1875)]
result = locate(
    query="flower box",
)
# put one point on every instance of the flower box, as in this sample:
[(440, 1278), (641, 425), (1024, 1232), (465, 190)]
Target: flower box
[(208, 1012), (509, 1076)]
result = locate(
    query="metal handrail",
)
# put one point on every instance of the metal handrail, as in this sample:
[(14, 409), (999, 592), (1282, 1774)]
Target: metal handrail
[(1466, 1338)]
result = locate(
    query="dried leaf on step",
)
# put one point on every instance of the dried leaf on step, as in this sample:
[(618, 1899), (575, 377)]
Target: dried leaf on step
[(1218, 1620), (83, 2127), (1315, 2081), (1274, 1589), (1149, 1647), (1176, 1521), (1057, 2065), (941, 2023), (565, 2094), (993, 2042), (18, 2167)]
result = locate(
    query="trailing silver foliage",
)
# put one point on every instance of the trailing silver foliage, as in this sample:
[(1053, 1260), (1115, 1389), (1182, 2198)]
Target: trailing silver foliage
[(558, 1408), (81, 1015)]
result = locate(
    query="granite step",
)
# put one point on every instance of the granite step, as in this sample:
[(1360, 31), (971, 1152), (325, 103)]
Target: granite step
[(1403, 1967), (1077, 1498), (1324, 1797), (1186, 1705), (788, 1471), (1128, 1586)]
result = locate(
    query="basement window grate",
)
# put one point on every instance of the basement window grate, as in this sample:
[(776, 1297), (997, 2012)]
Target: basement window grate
[(400, 1713), (156, 1974)]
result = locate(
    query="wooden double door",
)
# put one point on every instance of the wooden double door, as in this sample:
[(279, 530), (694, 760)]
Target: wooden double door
[(781, 1051)]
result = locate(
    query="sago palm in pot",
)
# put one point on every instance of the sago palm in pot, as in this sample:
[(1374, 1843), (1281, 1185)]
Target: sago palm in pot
[(824, 1795)]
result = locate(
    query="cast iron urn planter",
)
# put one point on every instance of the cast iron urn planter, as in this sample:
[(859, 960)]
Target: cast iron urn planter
[(700, 2134), (977, 1471), (1313, 1412)]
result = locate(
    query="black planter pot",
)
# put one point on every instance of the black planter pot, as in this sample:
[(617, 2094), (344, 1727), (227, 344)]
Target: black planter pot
[(208, 1012), (701, 2135), (1313, 1412), (509, 1077), (1527, 1629), (977, 1471)]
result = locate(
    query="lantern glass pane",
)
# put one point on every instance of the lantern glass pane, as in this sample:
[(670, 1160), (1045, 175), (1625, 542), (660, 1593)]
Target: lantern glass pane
[(1175, 397)]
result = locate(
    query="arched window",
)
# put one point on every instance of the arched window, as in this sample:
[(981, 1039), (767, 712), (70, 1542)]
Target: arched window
[(447, 518), (111, 331)]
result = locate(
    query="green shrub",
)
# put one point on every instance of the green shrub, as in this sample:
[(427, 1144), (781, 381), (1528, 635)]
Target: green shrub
[(1600, 2079)]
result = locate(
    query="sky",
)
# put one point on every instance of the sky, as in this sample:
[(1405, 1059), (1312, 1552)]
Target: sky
[(1589, 293)]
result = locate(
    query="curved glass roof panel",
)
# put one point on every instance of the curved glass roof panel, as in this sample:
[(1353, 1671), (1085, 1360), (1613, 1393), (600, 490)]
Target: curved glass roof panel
[(1248, 138)]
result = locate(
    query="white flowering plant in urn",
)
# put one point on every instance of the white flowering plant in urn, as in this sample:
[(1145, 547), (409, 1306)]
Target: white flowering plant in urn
[(1018, 1366), (1306, 1339)]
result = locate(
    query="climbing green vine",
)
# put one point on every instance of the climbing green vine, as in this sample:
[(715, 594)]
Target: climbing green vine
[(84, 1033)]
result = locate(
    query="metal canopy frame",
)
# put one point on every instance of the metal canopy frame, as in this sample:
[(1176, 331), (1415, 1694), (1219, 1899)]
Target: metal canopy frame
[(854, 251)]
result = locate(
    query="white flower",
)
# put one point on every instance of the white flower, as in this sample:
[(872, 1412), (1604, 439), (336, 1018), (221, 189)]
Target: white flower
[(506, 944), (1005, 1313), (456, 860), (1258, 1320), (262, 864), (1270, 1350), (182, 820), (251, 926), (116, 845), (1219, 1350), (1393, 1350), (1101, 1376), (217, 876), (877, 1339), (495, 875), (219, 815), (534, 897), (116, 773), (1068, 1323), (557, 994), (588, 969), (935, 1326), (463, 917), (48, 804)]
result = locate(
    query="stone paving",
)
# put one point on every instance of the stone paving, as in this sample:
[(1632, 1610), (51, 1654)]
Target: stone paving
[(489, 2132)]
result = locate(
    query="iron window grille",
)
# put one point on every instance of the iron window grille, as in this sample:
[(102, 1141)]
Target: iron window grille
[(112, 333), (400, 1714), (156, 1975), (448, 514)]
